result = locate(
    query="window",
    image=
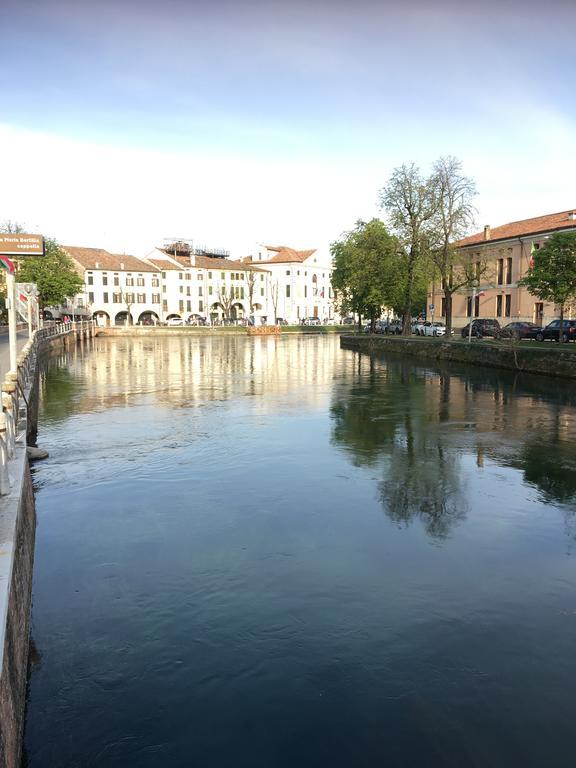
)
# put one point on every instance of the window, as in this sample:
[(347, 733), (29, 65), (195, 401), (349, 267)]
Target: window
[(287, 271), (209, 275), (90, 279), (141, 298), (155, 298), (140, 281), (116, 298), (242, 292), (500, 271), (180, 276), (261, 278), (129, 298), (477, 307), (181, 306), (199, 290), (90, 298), (508, 271), (129, 280), (163, 275), (181, 289), (188, 293), (508, 304), (163, 289), (305, 291), (287, 291), (155, 282), (261, 291), (200, 306), (443, 308), (164, 306), (469, 306), (188, 305), (105, 297), (241, 275), (200, 275), (104, 279), (209, 290), (499, 306)]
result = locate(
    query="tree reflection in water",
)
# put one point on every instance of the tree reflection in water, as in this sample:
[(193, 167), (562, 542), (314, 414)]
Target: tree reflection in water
[(392, 415)]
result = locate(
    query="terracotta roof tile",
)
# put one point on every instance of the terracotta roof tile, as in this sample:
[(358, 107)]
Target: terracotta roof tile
[(88, 258), (284, 254), (539, 224)]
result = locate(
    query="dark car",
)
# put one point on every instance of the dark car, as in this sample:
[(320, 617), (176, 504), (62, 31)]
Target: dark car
[(519, 330), (552, 331), (348, 321), (482, 327)]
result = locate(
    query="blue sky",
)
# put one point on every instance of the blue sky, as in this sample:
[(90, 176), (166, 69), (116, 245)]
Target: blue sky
[(274, 121)]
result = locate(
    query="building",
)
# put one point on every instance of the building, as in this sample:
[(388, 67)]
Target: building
[(503, 255), (121, 289), (300, 282), (118, 289), (201, 284)]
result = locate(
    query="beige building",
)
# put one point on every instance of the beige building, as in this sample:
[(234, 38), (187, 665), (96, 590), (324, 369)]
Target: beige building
[(503, 256)]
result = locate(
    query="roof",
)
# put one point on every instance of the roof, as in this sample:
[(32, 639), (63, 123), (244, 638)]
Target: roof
[(213, 262), (285, 254), (537, 225), (98, 258)]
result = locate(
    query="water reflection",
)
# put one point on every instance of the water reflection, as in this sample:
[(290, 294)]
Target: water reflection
[(417, 424)]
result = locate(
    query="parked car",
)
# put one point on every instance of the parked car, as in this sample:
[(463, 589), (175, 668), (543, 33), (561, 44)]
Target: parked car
[(393, 327), (312, 321), (519, 330), (552, 331), (379, 327), (482, 327), (348, 321), (430, 329), (174, 321)]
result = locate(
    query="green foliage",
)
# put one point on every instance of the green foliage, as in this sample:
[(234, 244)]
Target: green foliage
[(54, 274), (368, 269), (552, 276)]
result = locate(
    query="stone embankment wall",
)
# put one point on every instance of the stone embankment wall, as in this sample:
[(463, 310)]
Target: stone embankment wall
[(551, 360), (17, 537)]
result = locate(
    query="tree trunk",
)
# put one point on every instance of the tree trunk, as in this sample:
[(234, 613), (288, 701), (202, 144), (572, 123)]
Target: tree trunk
[(407, 316), (561, 328), (448, 308)]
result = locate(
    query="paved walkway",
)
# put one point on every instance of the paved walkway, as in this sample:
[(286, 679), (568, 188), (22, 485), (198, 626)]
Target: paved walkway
[(5, 351)]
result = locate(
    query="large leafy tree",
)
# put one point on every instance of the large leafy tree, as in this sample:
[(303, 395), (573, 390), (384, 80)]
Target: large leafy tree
[(54, 274), (552, 274), (368, 269), (410, 203), (453, 217)]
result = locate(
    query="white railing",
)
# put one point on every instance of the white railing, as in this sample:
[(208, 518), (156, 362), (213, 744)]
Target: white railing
[(16, 390)]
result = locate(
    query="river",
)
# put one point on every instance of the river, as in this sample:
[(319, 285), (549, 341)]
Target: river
[(269, 553)]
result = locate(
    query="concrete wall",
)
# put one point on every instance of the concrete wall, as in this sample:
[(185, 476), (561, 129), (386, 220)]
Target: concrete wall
[(555, 361)]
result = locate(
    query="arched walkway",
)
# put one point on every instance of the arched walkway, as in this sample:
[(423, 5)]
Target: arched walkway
[(148, 318), (123, 318), (101, 318)]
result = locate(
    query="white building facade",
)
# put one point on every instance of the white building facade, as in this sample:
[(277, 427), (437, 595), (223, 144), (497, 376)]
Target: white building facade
[(300, 282)]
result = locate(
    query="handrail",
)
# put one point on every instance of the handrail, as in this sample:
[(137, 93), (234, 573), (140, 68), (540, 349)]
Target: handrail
[(16, 390)]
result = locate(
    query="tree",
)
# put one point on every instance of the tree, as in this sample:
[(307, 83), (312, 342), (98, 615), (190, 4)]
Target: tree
[(225, 298), (11, 227), (409, 201), (274, 293), (54, 274), (552, 274), (250, 287), (368, 270), (453, 217)]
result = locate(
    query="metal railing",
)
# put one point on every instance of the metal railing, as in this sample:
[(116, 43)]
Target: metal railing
[(16, 390)]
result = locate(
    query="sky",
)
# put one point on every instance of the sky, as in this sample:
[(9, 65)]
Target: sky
[(231, 123)]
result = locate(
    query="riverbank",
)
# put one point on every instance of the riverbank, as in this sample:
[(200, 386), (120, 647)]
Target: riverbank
[(219, 330), (547, 360)]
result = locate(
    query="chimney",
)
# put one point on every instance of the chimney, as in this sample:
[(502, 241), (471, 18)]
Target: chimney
[(97, 265), (572, 216), (121, 265), (487, 232), (192, 259)]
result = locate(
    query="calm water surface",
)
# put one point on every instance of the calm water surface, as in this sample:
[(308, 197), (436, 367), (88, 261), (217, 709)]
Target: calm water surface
[(273, 553)]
